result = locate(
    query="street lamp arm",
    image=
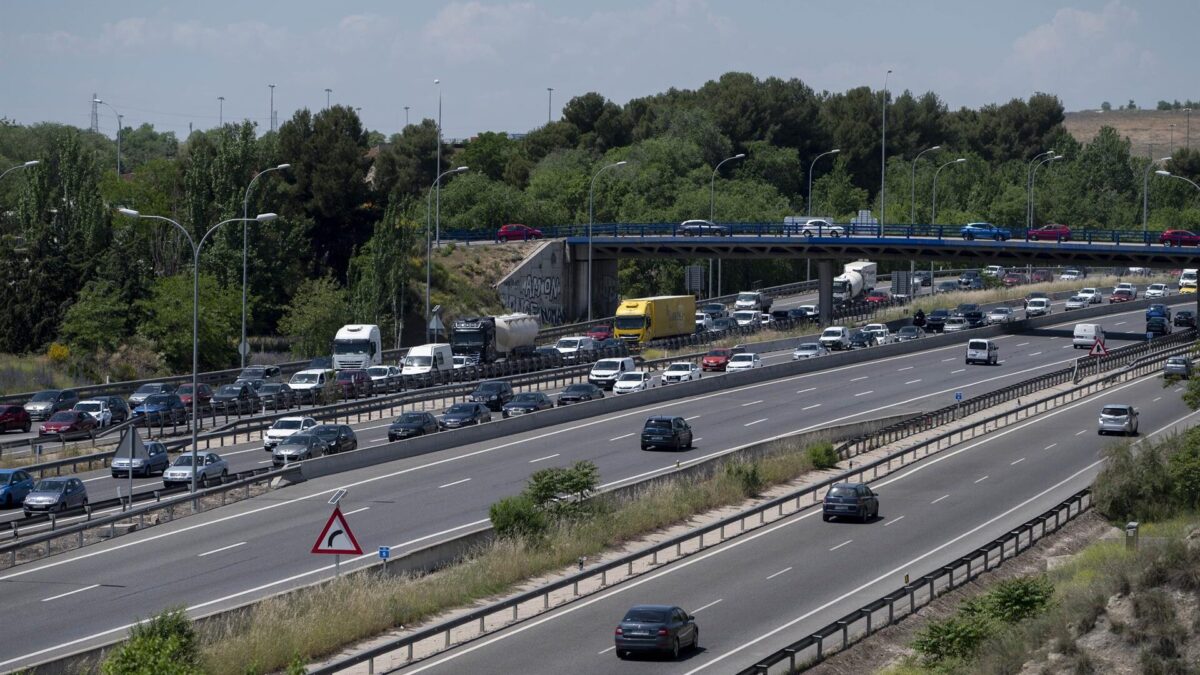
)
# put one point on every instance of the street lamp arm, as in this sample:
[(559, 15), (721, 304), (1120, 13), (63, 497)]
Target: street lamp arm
[(22, 165), (712, 184)]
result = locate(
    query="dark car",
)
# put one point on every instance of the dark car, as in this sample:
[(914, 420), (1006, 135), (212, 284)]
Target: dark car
[(264, 373), (236, 399), (14, 485), (355, 382), (1179, 238), (661, 431), (492, 393), (853, 500), (277, 396), (527, 402), (155, 460), (69, 423), (297, 448), (1052, 232), (965, 279), (975, 318), (465, 414), (1185, 318), (578, 393), (1157, 326), (118, 408), (924, 278), (656, 628), (412, 424), (725, 323), (548, 352), (162, 409), (714, 309), (204, 394), (800, 315), (517, 232), (339, 437), (936, 320), (949, 287), (147, 390), (46, 403), (717, 359), (861, 340), (55, 494), (910, 333), (701, 228), (14, 417)]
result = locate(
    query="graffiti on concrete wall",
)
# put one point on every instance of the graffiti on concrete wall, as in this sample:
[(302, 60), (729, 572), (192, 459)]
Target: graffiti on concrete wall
[(536, 288)]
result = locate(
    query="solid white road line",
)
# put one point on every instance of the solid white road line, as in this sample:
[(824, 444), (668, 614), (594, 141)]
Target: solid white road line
[(981, 480), (857, 379), (805, 391), (365, 508), (457, 482), (841, 545), (949, 359), (1014, 463), (693, 417), (1052, 445), (864, 393), (77, 590), (223, 548), (605, 651), (1120, 323), (901, 370), (782, 571), (1022, 344), (810, 407), (1035, 354), (893, 520), (1081, 432), (939, 499), (912, 382), (1157, 399), (542, 459), (752, 403), (704, 607), (750, 424), (960, 370), (620, 437)]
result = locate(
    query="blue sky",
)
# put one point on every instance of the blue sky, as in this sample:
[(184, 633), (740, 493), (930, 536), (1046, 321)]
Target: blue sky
[(167, 62)]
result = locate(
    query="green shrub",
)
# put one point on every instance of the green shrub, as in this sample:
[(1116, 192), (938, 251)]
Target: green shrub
[(1016, 599), (1183, 468), (747, 476), (823, 456), (164, 645), (517, 517), (955, 638)]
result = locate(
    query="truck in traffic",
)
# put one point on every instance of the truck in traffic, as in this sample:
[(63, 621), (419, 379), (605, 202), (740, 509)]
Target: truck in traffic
[(1187, 280), (487, 338), (646, 319), (357, 346), (753, 300), (856, 280)]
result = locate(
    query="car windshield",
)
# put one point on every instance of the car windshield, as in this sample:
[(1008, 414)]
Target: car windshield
[(270, 388), (743, 358), (1038, 301), (747, 297), (377, 371), (718, 352), (346, 376), (578, 389), (62, 416), (1178, 360), (351, 346), (411, 418), (682, 367), (149, 389), (158, 399), (940, 312), (186, 460), (746, 315), (1114, 411), (461, 408), (89, 407), (573, 343), (229, 390), (252, 373), (630, 377), (956, 319), (1078, 298), (658, 424), (287, 424), (832, 332), (809, 347), (50, 485), (489, 387), (305, 378), (641, 615), (607, 364), (843, 491), (907, 330), (527, 397), (1002, 310), (299, 439), (45, 396), (627, 323), (418, 361)]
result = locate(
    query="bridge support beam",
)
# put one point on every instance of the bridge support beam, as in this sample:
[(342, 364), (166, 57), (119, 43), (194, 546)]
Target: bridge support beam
[(825, 291)]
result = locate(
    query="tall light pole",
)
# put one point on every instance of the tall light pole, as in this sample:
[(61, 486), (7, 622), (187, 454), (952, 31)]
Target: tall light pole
[(328, 91), (262, 218), (1172, 145), (808, 211), (428, 250), (243, 347), (271, 119), (119, 125), (406, 115), (1029, 188), (1032, 183), (221, 111), (912, 218), (712, 185), (933, 216), (23, 165), (438, 188), (591, 219), (549, 99), (1187, 139), (1146, 191), (883, 155)]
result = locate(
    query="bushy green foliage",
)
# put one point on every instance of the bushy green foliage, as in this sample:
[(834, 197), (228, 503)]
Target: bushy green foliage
[(168, 321), (1015, 599), (955, 638), (164, 645), (550, 495), (748, 476), (823, 456), (960, 636), (1155, 482), (319, 309)]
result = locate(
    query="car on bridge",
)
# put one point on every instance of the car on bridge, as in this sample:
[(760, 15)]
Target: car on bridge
[(656, 628), (661, 431), (850, 500), (1051, 232), (700, 228), (818, 228), (972, 231), (517, 232), (1179, 238)]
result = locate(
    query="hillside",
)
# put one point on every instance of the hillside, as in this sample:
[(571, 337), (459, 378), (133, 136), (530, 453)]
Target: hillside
[(1142, 127)]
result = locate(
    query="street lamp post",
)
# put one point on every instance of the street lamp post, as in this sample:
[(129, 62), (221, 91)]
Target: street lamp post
[(933, 216), (1029, 188), (261, 218), (243, 347), (221, 111), (591, 220), (883, 156), (712, 185), (328, 91), (437, 218), (811, 166), (912, 218), (1146, 191), (1168, 174), (1187, 138), (428, 250), (23, 165), (549, 100), (119, 125), (406, 115), (271, 120), (1032, 182)]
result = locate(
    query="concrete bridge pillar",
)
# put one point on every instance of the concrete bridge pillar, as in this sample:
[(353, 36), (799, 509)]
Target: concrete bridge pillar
[(825, 291)]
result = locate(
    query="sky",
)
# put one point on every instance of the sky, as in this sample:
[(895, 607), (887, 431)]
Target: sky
[(166, 63)]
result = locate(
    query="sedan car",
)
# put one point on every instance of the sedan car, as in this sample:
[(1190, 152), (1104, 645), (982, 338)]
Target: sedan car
[(809, 350), (162, 409), (1077, 302), (493, 394), (1179, 238), (1059, 233), (155, 460), (700, 228), (526, 402), (1092, 294), (1121, 295), (879, 296), (1185, 318), (285, 427), (1118, 418), (948, 287), (717, 359), (954, 324), (910, 333), (861, 339), (278, 396), (412, 424), (681, 371), (1070, 275), (97, 408), (297, 448), (46, 403), (465, 414), (656, 628), (1001, 315), (55, 494), (15, 484), (578, 393), (384, 378), (517, 232), (1178, 367), (984, 231), (339, 437), (601, 332), (661, 431), (935, 321), (14, 417), (69, 423), (852, 500), (147, 390), (203, 397), (744, 361), (627, 383), (236, 399), (821, 228), (209, 467)]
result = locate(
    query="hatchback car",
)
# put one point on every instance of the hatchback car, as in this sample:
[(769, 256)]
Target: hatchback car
[(465, 414), (744, 361), (1157, 326), (1093, 295), (55, 495), (411, 425), (666, 432), (1179, 238), (493, 394), (718, 359), (15, 484), (517, 232), (984, 231), (1118, 418), (701, 228), (656, 628), (860, 339), (298, 448), (1178, 367), (681, 371), (203, 397), (277, 396), (1000, 315), (809, 350), (339, 437), (907, 333), (69, 423), (1058, 233), (578, 393), (1157, 291), (1011, 279), (851, 500), (147, 390), (526, 402), (209, 467), (602, 332), (14, 417), (285, 427), (355, 382), (46, 403), (162, 409), (1077, 302), (954, 324), (1120, 295), (155, 460), (97, 408), (627, 383)]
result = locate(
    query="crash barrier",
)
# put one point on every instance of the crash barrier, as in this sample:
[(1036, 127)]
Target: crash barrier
[(904, 602)]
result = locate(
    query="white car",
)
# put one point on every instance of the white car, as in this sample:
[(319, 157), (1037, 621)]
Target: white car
[(822, 228), (97, 409), (747, 317), (743, 361), (766, 320), (460, 362), (1126, 286), (628, 383), (993, 271), (879, 331), (681, 371), (1092, 294), (809, 350), (284, 427), (1000, 315), (1037, 307), (1077, 302), (954, 324), (1070, 275), (384, 378), (1157, 291)]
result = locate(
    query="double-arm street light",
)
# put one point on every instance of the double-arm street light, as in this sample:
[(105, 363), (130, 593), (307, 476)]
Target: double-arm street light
[(912, 218), (243, 347), (1168, 174), (591, 220), (712, 186), (428, 248), (23, 165), (1146, 191), (883, 155), (812, 166), (1029, 188), (933, 215), (1032, 183), (120, 123), (261, 218)]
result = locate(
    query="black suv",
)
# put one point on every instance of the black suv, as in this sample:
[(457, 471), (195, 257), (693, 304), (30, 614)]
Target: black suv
[(666, 432), (855, 500), (936, 320), (493, 393)]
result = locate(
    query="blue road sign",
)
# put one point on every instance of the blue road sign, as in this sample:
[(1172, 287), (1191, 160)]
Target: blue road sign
[(385, 552), (958, 396)]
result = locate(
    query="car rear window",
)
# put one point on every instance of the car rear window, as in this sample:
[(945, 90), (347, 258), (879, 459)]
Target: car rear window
[(658, 424), (843, 491), (1115, 411), (646, 616), (977, 344)]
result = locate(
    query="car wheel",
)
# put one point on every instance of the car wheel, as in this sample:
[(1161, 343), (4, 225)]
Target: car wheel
[(862, 515), (675, 649), (622, 654), (644, 446), (696, 640), (808, 234), (26, 428), (969, 236), (825, 517)]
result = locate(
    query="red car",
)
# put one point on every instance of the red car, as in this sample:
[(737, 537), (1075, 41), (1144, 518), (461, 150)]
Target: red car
[(1014, 279), (879, 297), (517, 232), (1120, 295), (1050, 233), (600, 332), (1040, 276), (717, 359), (1179, 238), (203, 398), (68, 422), (14, 417), (355, 382)]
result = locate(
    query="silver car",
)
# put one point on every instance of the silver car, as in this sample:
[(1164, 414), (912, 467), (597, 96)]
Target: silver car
[(55, 494), (954, 324), (209, 467), (155, 461), (1000, 315), (1119, 418), (809, 350), (1178, 366), (1077, 302)]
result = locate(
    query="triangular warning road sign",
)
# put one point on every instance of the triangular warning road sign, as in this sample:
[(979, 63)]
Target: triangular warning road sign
[(1098, 348), (336, 537)]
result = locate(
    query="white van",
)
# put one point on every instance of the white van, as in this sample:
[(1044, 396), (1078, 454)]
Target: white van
[(575, 347), (835, 337), (429, 358), (606, 371), (982, 351), (1086, 335), (310, 384)]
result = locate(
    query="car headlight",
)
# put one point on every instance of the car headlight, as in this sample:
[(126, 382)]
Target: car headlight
[(139, 462)]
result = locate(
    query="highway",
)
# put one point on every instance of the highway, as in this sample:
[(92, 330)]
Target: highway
[(221, 558), (760, 592)]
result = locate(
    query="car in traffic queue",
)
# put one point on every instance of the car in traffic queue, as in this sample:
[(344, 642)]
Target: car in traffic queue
[(412, 424), (355, 382), (69, 423), (578, 393), (850, 500), (15, 484), (680, 371), (656, 628), (278, 396), (1126, 286), (1070, 275), (1038, 307), (947, 287), (715, 310), (156, 460), (297, 448), (1185, 318), (701, 228), (907, 333), (1158, 309), (517, 232), (1157, 326), (725, 323), (97, 408), (266, 373), (1157, 291), (285, 427), (954, 324), (1011, 279), (860, 339), (1179, 238), (162, 409), (384, 379), (975, 318), (1118, 418), (835, 338), (604, 373), (1120, 295), (982, 351), (1179, 367), (601, 332), (972, 231), (879, 331), (664, 431), (994, 271), (209, 467), (935, 321), (967, 278), (203, 396), (236, 399), (526, 402), (55, 495), (747, 317), (339, 437), (1093, 295), (1050, 232), (744, 361), (465, 414), (628, 383), (1077, 302), (718, 359), (817, 227), (575, 348), (14, 417), (808, 350), (45, 403), (879, 296), (1041, 276), (147, 390), (309, 385), (492, 393), (1000, 315)]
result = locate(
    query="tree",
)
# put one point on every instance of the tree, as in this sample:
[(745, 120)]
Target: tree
[(96, 320), (319, 309), (1106, 106), (168, 321)]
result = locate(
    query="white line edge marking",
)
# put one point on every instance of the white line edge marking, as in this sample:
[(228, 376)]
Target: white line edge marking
[(893, 520), (704, 607), (223, 548), (782, 571), (858, 379), (620, 437), (1016, 462), (605, 651), (841, 545), (805, 391), (1052, 445), (977, 482), (365, 508), (457, 482), (1081, 432), (912, 382), (77, 590), (864, 393), (752, 403), (750, 424), (542, 459), (960, 370), (810, 407), (939, 499)]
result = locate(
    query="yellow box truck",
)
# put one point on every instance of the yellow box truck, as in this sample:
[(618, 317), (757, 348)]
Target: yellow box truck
[(646, 319)]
